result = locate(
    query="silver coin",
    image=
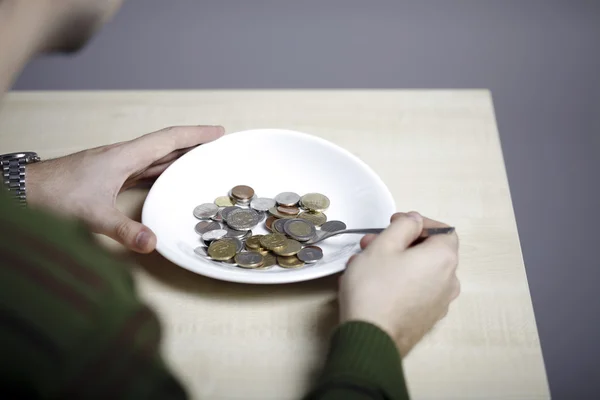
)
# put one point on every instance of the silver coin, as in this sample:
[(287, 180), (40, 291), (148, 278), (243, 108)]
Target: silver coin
[(244, 203), (333, 226), (262, 216), (278, 225), (225, 212), (310, 254), (201, 251), (234, 233), (262, 204), (290, 229), (211, 236), (206, 211), (246, 236), (243, 220), (205, 226), (287, 199)]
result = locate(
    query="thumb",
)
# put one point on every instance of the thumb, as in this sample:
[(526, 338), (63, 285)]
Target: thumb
[(133, 235), (402, 232)]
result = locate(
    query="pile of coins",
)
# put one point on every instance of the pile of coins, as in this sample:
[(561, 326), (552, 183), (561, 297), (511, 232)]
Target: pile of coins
[(225, 229)]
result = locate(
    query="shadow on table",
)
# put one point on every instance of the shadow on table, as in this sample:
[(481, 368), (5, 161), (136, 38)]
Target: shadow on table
[(180, 278)]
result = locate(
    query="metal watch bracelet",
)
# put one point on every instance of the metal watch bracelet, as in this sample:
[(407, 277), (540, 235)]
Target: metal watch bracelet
[(13, 173)]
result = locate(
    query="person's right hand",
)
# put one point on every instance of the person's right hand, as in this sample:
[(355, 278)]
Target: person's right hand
[(401, 289)]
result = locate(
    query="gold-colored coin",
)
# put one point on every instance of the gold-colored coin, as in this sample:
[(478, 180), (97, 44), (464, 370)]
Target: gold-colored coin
[(224, 201), (253, 242), (272, 241), (269, 261), (317, 218), (249, 259), (289, 262), (277, 214), (222, 250), (315, 202), (290, 248)]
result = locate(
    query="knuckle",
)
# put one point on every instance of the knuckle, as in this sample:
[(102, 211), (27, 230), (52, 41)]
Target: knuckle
[(457, 288), (123, 230)]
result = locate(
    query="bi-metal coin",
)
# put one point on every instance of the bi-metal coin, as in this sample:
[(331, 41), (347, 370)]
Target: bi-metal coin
[(299, 229), (278, 225), (310, 254)]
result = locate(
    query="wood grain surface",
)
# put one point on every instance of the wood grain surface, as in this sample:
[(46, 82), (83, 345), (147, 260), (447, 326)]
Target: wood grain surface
[(439, 153)]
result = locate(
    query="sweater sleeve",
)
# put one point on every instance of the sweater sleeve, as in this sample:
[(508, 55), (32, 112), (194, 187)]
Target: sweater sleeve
[(363, 364)]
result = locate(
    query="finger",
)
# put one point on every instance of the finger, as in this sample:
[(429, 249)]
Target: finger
[(427, 222), (133, 235), (154, 171), (401, 233), (366, 240), (455, 288), (351, 259), (174, 155), (151, 147)]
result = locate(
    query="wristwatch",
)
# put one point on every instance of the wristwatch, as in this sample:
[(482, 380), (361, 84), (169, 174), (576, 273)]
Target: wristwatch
[(13, 173)]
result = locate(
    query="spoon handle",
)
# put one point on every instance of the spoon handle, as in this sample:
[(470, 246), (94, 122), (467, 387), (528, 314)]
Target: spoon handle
[(426, 232)]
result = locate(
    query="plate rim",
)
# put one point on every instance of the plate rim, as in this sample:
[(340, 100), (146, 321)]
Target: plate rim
[(276, 279)]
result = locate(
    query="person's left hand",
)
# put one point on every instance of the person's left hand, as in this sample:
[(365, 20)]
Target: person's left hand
[(85, 185)]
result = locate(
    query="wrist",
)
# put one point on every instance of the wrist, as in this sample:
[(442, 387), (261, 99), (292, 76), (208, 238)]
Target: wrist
[(400, 340)]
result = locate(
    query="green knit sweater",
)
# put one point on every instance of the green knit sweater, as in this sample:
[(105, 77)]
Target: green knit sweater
[(73, 326)]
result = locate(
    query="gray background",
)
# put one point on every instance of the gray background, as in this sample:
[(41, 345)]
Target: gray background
[(541, 60)]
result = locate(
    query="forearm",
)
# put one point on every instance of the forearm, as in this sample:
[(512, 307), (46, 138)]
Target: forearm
[(363, 364)]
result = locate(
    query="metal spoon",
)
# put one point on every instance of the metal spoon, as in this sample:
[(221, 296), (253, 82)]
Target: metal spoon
[(426, 233)]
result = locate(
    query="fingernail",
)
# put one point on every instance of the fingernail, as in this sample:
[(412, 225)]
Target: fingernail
[(415, 215), (142, 239)]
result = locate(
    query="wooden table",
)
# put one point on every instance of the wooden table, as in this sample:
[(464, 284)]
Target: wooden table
[(438, 152)]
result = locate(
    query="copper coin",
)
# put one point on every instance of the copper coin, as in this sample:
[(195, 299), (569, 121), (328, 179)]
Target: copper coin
[(288, 210), (269, 222), (275, 212), (242, 192)]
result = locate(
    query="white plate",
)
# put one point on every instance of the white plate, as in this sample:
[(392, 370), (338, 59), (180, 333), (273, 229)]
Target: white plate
[(271, 161)]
